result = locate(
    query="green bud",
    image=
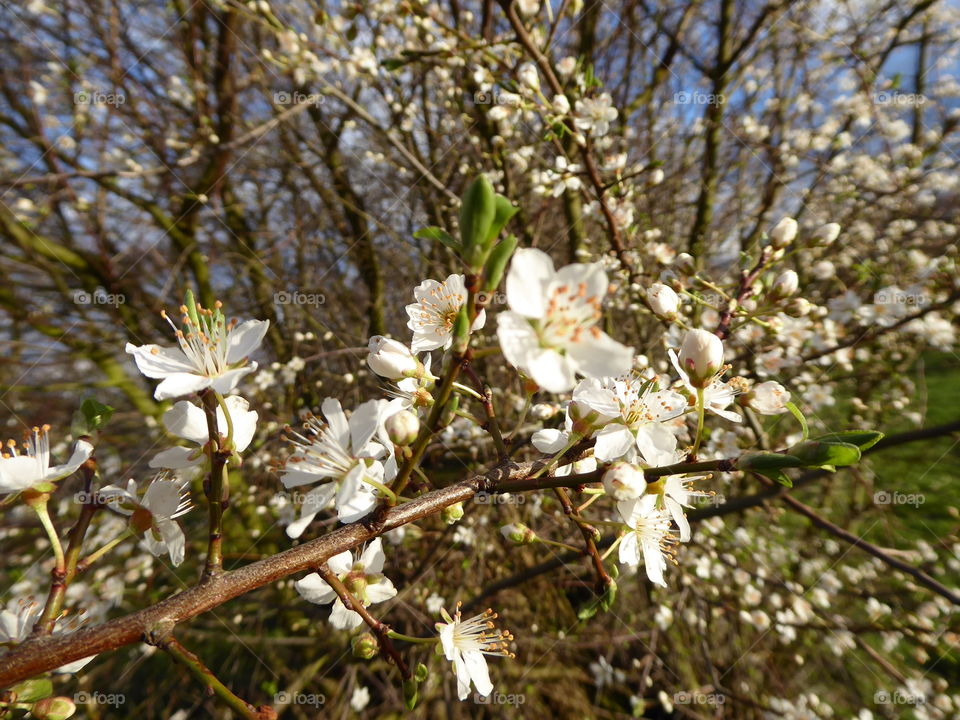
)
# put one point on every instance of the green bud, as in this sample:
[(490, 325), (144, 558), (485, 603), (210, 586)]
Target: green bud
[(863, 439), (449, 412), (365, 646), (461, 330), (411, 693), (421, 673), (497, 263), (477, 214), (452, 513), (761, 461), (518, 534), (57, 708)]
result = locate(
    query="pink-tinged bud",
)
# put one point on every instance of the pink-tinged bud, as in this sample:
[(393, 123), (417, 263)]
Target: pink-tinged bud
[(663, 300), (768, 398), (391, 359), (786, 284), (624, 481), (783, 233), (826, 234), (402, 428), (518, 534), (701, 357)]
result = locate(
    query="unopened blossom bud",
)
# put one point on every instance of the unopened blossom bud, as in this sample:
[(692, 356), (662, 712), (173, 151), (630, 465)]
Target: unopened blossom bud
[(55, 708), (402, 428), (624, 481), (527, 75), (798, 307), (783, 233), (543, 411), (365, 646), (656, 176), (826, 234), (518, 534), (391, 359), (452, 513), (768, 398), (701, 357), (786, 283), (663, 300), (561, 104), (684, 263)]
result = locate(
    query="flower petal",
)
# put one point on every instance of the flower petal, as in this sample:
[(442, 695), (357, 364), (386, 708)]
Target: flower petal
[(531, 270), (600, 356), (245, 338), (551, 370), (187, 421), (315, 589)]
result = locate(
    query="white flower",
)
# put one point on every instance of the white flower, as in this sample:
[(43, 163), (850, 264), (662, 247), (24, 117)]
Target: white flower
[(594, 115), (663, 300), (700, 359), (16, 625), (676, 496), (342, 456), (363, 577), (783, 233), (465, 642), (768, 398), (828, 233), (360, 699), (643, 410), (391, 359), (212, 354), (717, 396), (189, 422), (550, 331), (432, 315), (154, 514), (30, 467), (649, 538), (624, 481)]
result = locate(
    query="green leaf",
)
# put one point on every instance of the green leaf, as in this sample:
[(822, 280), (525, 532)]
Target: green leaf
[(30, 691), (503, 211), (95, 413), (863, 439), (800, 418), (411, 693), (497, 263), (816, 453), (603, 602), (476, 216), (392, 64), (438, 235)]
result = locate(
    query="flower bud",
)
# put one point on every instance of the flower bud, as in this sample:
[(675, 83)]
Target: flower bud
[(55, 708), (826, 234), (663, 300), (786, 283), (624, 481), (798, 307), (768, 398), (783, 233), (656, 177), (527, 75), (701, 357), (452, 513), (391, 359), (518, 534), (402, 428), (684, 263), (365, 646)]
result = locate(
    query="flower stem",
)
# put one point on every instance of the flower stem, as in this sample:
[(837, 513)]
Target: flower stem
[(100, 552), (393, 634), (700, 414), (40, 507), (226, 414)]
